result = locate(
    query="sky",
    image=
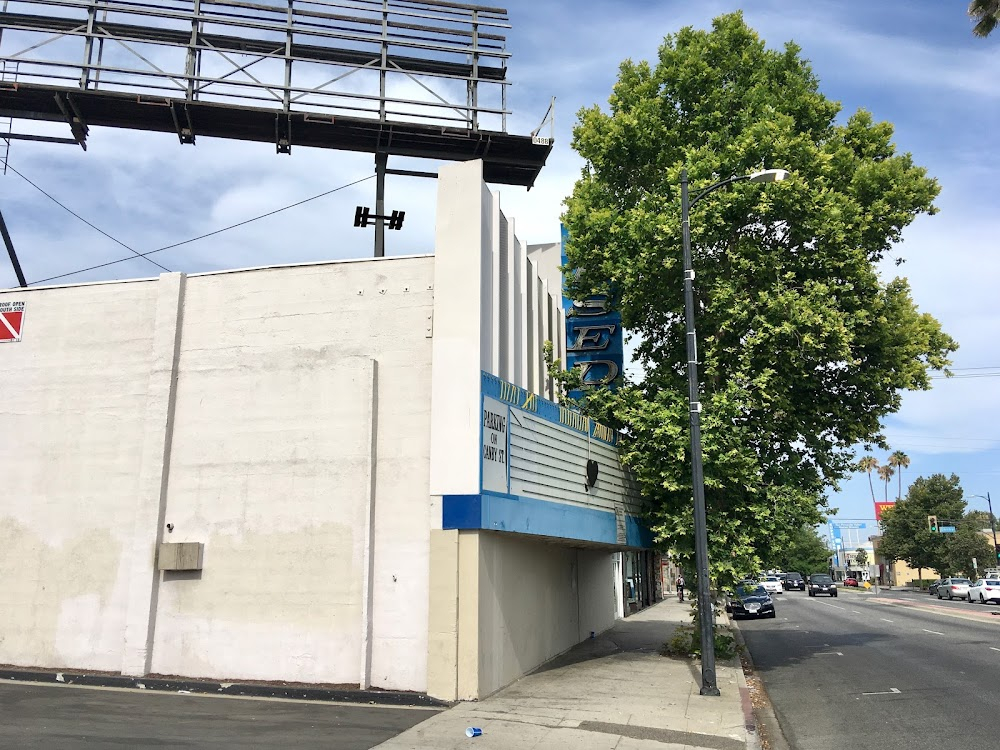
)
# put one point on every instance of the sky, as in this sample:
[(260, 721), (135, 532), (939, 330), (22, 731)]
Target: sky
[(914, 63)]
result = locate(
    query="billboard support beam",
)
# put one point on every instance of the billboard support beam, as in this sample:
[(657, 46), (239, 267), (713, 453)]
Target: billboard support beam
[(381, 161), (10, 251)]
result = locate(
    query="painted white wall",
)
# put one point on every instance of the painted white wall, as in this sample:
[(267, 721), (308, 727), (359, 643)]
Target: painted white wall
[(599, 599), (271, 470), (548, 259), (536, 600), (302, 396), (462, 326), (467, 331), (72, 409)]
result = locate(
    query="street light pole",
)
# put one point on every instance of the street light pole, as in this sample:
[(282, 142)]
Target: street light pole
[(993, 525), (706, 613), (993, 528)]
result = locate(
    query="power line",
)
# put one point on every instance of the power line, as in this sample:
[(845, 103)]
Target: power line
[(207, 234), (965, 377), (941, 437), (52, 198)]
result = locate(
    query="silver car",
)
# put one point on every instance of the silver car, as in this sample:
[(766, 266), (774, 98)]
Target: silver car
[(954, 588), (984, 591)]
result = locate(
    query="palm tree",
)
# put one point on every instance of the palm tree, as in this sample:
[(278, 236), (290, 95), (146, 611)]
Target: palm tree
[(869, 463), (885, 474), (986, 14), (899, 460)]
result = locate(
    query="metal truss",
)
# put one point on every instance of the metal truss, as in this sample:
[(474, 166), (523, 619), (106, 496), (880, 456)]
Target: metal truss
[(410, 77)]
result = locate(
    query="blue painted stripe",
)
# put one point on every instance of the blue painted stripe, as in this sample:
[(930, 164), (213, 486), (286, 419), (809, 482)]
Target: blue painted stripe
[(461, 512), (527, 515), (550, 411)]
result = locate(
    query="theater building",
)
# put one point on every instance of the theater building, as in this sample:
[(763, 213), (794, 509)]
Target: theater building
[(342, 472)]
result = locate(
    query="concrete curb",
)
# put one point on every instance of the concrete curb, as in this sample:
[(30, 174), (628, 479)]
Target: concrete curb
[(252, 690), (749, 719), (765, 715)]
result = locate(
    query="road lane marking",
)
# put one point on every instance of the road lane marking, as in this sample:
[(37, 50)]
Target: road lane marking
[(827, 604), (885, 620), (855, 611), (994, 649), (829, 653), (931, 631), (891, 691)]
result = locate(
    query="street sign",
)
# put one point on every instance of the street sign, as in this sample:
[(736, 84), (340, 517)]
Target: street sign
[(975, 563), (946, 529)]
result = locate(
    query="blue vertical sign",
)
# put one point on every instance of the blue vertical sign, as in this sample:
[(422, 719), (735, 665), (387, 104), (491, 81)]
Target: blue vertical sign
[(594, 338)]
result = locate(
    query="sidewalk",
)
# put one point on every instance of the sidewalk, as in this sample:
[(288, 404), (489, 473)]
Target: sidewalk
[(613, 692)]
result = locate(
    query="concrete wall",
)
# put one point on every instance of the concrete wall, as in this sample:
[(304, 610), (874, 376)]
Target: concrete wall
[(72, 405), (536, 601), (503, 604), (279, 416)]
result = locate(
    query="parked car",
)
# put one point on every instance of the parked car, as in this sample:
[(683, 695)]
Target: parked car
[(793, 581), (932, 589), (851, 582), (954, 588), (821, 583), (984, 591), (772, 585), (751, 600)]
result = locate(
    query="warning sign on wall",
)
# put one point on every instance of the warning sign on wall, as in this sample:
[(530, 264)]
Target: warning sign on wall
[(11, 320)]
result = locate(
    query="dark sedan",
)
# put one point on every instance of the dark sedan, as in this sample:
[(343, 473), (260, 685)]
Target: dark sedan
[(820, 583), (750, 601), (794, 581)]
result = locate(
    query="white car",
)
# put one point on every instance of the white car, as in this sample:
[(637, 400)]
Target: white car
[(984, 591), (772, 585)]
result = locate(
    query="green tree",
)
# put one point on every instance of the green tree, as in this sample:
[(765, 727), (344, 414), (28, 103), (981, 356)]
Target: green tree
[(978, 519), (861, 558), (867, 464), (964, 545), (803, 346), (986, 14), (899, 461), (905, 535), (804, 552)]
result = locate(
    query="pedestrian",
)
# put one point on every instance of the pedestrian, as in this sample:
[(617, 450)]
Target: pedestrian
[(680, 587)]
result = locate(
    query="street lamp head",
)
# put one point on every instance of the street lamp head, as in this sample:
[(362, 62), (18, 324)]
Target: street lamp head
[(770, 175)]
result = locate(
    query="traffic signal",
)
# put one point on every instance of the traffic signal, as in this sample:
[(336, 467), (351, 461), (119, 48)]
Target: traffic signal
[(998, 552), (933, 526)]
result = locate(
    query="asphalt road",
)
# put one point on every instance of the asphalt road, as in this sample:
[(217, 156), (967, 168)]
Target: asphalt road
[(76, 718), (897, 671)]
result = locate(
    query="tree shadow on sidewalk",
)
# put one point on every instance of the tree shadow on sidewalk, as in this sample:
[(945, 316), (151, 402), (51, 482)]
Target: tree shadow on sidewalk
[(626, 636)]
